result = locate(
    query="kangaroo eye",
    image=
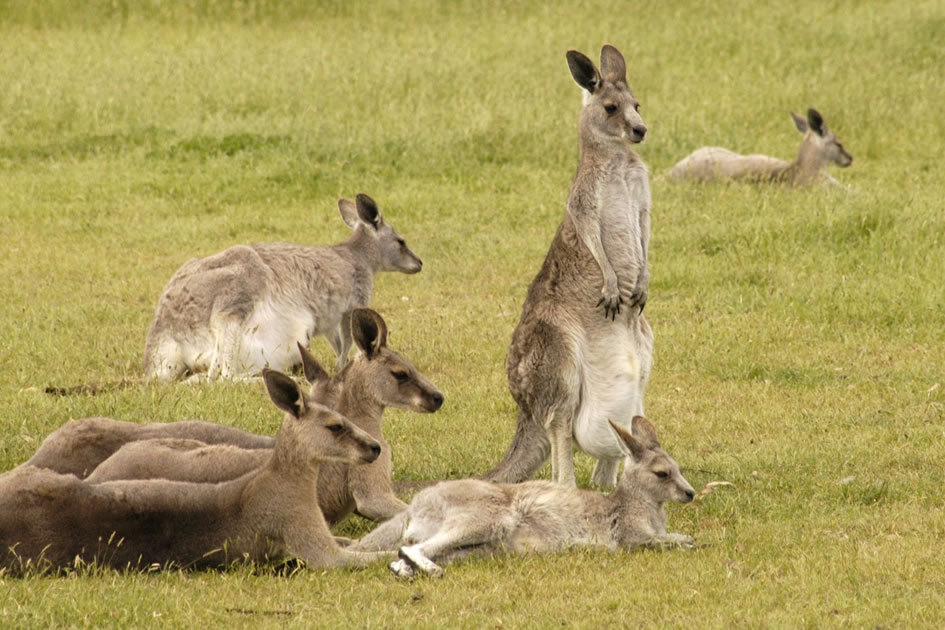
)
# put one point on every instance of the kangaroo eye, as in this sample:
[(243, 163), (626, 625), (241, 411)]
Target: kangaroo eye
[(610, 108), (636, 108), (336, 429), (401, 242), (402, 377), (662, 474)]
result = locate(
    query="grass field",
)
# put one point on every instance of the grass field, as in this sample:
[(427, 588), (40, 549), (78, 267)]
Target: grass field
[(799, 333)]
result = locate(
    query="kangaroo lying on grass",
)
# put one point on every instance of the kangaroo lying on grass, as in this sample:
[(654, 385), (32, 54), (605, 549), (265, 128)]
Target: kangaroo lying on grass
[(233, 313), (376, 378), (455, 519), (51, 520), (571, 367), (818, 148), (78, 447)]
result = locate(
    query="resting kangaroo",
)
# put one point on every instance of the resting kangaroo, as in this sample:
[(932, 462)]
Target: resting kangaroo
[(49, 519), (376, 378), (818, 148), (233, 313), (573, 365), (457, 518)]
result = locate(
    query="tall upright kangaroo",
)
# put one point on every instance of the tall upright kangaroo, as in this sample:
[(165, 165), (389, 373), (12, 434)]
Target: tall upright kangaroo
[(470, 516), (573, 365), (236, 312), (819, 148), (376, 378), (48, 519)]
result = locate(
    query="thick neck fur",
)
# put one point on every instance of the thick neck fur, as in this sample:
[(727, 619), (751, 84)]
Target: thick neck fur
[(807, 166), (289, 460), (357, 401), (363, 247)]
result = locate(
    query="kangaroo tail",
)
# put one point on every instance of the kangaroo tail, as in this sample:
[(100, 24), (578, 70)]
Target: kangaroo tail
[(92, 388), (385, 537), (529, 450)]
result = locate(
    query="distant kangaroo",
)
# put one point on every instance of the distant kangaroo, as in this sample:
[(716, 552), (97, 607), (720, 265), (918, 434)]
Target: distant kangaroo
[(49, 520), (455, 519), (818, 148), (233, 313), (571, 367), (376, 378)]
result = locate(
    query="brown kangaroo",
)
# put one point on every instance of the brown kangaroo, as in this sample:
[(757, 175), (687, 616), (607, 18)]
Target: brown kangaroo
[(376, 378), (571, 367), (51, 520)]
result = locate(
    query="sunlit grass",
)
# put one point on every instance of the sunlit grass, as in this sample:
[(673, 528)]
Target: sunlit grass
[(799, 333)]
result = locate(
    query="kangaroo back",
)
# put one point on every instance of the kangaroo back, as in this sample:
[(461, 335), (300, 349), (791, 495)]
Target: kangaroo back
[(233, 313)]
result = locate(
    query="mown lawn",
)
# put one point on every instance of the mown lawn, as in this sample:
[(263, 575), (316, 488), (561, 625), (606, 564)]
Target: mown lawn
[(799, 333)]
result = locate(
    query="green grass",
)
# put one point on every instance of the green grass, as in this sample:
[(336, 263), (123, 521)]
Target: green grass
[(799, 333)]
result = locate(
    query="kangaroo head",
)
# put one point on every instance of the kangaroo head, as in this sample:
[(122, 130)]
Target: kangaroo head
[(826, 142), (392, 251), (315, 432), (610, 111), (648, 468), (384, 375)]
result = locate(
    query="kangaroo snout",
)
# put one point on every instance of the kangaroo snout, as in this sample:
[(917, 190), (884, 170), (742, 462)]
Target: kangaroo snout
[(688, 495), (374, 451), (639, 131), (437, 400)]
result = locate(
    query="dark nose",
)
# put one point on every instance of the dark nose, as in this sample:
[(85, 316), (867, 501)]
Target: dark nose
[(437, 400), (639, 130), (375, 451), (689, 495)]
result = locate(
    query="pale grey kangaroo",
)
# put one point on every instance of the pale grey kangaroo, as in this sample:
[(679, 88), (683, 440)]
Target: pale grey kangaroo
[(457, 518), (377, 377), (233, 313), (819, 148), (582, 351), (49, 520)]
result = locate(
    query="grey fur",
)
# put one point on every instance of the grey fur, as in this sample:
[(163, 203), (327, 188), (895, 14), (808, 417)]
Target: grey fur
[(582, 351), (52, 520), (455, 519), (819, 148), (233, 313)]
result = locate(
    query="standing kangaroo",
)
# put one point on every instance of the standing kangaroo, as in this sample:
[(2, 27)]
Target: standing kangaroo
[(819, 147), (376, 378), (233, 313), (572, 367), (48, 520), (458, 518)]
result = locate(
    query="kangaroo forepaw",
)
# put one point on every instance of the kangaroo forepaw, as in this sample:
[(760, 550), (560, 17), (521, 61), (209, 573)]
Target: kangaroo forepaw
[(402, 568), (415, 558), (611, 306)]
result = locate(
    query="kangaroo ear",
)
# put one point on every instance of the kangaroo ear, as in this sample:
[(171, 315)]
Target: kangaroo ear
[(612, 64), (583, 71), (349, 212), (799, 122), (367, 211), (314, 373), (284, 392), (816, 121), (644, 432), (368, 331), (630, 446)]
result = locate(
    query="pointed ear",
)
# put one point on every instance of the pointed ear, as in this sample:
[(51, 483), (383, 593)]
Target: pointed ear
[(314, 373), (612, 64), (367, 210), (644, 432), (368, 331), (349, 212), (816, 121), (284, 392), (630, 446), (799, 122), (583, 71)]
